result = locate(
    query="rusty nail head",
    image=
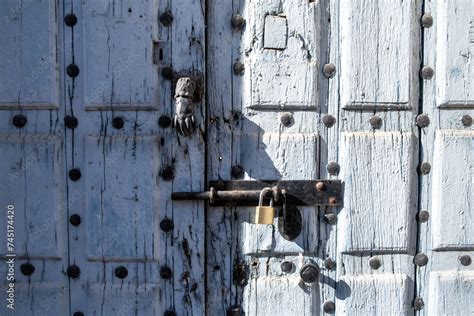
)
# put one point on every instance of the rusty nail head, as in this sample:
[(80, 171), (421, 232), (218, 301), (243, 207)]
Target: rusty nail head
[(19, 120), (286, 118), (329, 70), (167, 72), (166, 273), (72, 71), (376, 122), (237, 171), (167, 173), (27, 269), (426, 72), (71, 122), (166, 225), (166, 18), (329, 264), (465, 260), (239, 68), (425, 168), (427, 20), (73, 271), (121, 272), (164, 121), (421, 259), (118, 122), (418, 304), (237, 22), (70, 19), (75, 220), (320, 186), (309, 273), (329, 307), (75, 174), (423, 120), (466, 120), (332, 200), (375, 263)]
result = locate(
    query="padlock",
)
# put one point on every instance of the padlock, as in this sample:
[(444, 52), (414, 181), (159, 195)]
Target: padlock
[(264, 214)]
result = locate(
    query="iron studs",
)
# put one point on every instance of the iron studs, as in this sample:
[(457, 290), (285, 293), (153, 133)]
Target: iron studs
[(309, 273), (287, 266), (427, 20), (329, 120), (73, 271), (237, 22), (375, 263), (19, 120), (75, 174), (27, 269), (426, 72), (166, 273), (418, 304), (166, 225), (465, 260), (75, 220), (121, 272), (167, 72), (70, 19), (237, 171), (71, 122), (332, 168), (423, 216), (72, 71), (329, 70), (164, 121), (423, 120), (286, 118), (166, 18), (376, 122), (425, 168), (167, 173), (239, 68), (118, 122), (329, 264), (466, 120), (329, 307), (421, 259)]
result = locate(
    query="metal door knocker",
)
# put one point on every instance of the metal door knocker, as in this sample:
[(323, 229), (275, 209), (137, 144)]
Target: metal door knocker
[(184, 121)]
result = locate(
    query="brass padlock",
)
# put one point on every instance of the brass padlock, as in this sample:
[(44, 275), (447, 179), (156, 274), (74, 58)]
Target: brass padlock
[(264, 214)]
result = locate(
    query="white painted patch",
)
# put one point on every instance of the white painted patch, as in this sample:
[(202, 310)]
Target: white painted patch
[(451, 293), (275, 33)]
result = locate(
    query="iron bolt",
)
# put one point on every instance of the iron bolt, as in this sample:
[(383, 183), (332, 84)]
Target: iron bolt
[(375, 263), (465, 260), (418, 304), (166, 225), (19, 120), (166, 18), (166, 273), (118, 122), (329, 264), (423, 120), (329, 307), (73, 271), (309, 273), (466, 120), (421, 259), (287, 266), (332, 167), (72, 71), (237, 171), (27, 269), (376, 122), (70, 19), (75, 220), (164, 121), (71, 122), (329, 70), (423, 216), (426, 72), (121, 272), (286, 119), (237, 22), (427, 20), (239, 68), (75, 174), (329, 120)]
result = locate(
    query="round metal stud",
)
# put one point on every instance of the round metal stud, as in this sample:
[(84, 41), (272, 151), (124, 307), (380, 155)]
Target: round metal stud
[(421, 259), (75, 220), (78, 314), (237, 171), (427, 20), (27, 269), (121, 272), (465, 260), (425, 168), (71, 122), (309, 273), (418, 304), (166, 225), (329, 70), (329, 120), (73, 271), (286, 118), (426, 72), (169, 312), (72, 71), (164, 121), (235, 310), (320, 186), (375, 263), (423, 216), (329, 307), (376, 122), (75, 174), (70, 19), (239, 68), (330, 218), (329, 264), (166, 18), (167, 73), (166, 273), (287, 266), (118, 122), (237, 22), (423, 120), (167, 173), (332, 167), (466, 120), (19, 120)]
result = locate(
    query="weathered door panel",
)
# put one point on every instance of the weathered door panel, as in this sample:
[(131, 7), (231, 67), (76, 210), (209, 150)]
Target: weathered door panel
[(32, 164), (444, 284)]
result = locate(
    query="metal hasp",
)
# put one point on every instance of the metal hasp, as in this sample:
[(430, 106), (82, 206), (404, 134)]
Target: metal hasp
[(246, 192)]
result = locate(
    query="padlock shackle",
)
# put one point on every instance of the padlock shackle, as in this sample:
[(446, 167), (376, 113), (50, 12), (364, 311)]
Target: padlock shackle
[(262, 194)]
